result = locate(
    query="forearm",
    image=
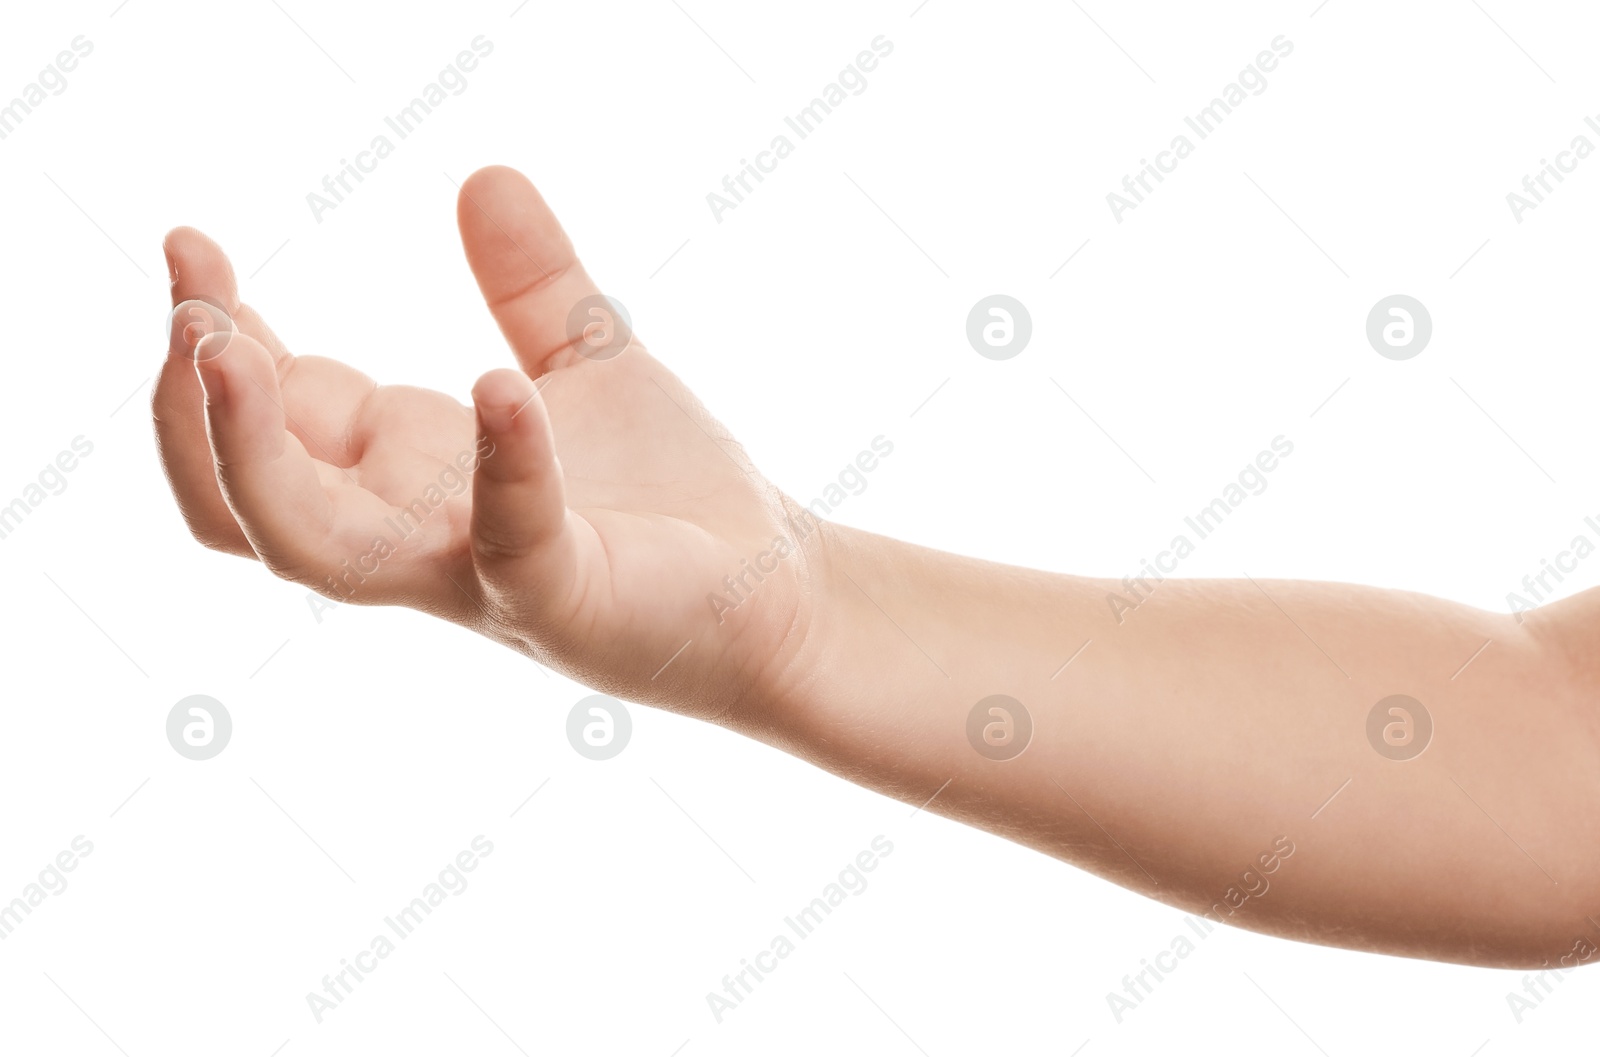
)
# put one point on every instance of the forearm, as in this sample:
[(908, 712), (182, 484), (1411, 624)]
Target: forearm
[(1184, 748)]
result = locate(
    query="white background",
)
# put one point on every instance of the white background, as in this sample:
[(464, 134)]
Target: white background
[(372, 746)]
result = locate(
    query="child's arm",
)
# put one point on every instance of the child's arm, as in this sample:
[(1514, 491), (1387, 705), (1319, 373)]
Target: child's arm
[(1215, 749)]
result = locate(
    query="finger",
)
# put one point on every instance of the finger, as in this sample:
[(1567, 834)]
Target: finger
[(520, 531), (321, 397), (202, 288), (273, 487), (199, 270), (529, 273)]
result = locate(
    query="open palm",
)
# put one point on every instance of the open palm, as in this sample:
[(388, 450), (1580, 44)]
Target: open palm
[(615, 563)]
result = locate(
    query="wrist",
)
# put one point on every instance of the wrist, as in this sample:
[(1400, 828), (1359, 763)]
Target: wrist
[(836, 653), (802, 639)]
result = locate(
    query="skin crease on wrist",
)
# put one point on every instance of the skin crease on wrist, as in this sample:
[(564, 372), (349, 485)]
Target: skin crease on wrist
[(1183, 745)]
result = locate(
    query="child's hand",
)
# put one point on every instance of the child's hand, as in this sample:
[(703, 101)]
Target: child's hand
[(607, 506)]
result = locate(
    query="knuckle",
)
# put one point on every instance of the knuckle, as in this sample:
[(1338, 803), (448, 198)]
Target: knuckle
[(224, 538), (492, 545), (294, 571)]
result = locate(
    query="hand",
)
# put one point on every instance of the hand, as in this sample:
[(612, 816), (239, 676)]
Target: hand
[(606, 509)]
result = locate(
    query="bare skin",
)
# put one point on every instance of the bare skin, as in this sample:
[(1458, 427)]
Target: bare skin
[(1178, 754)]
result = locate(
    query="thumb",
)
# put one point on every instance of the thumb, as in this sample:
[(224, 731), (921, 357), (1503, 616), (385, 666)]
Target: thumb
[(521, 540), (550, 311)]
